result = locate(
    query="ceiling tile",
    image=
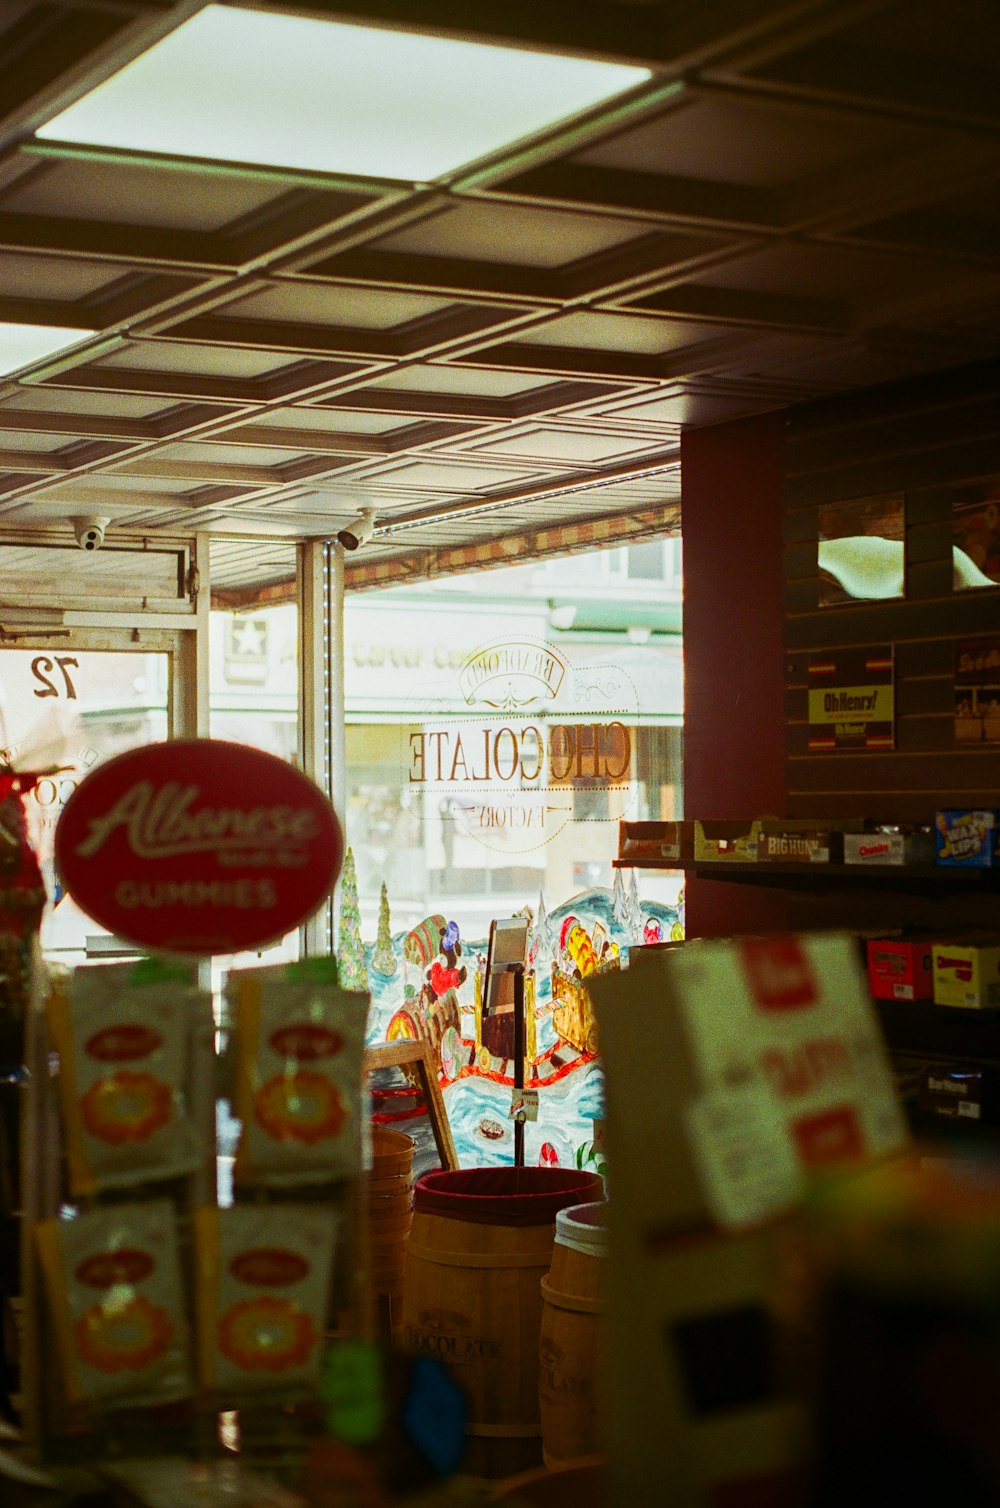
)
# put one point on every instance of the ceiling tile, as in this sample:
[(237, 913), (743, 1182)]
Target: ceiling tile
[(55, 400), (462, 381), (330, 304), (180, 201), (683, 407), (574, 447), (221, 454), (333, 421), (486, 231), (452, 476), (827, 272), (618, 332), (56, 278), (170, 356), (727, 139), (30, 443)]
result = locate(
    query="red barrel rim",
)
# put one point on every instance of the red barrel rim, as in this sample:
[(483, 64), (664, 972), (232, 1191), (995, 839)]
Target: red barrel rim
[(504, 1196)]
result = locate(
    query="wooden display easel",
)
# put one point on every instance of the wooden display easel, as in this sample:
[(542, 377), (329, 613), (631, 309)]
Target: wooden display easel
[(417, 1056)]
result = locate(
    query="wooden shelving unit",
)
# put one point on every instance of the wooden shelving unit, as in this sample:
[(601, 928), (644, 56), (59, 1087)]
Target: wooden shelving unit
[(924, 879), (917, 1029)]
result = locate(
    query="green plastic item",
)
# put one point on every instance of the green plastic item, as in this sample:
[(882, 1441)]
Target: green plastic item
[(162, 971), (314, 971), (354, 1392)]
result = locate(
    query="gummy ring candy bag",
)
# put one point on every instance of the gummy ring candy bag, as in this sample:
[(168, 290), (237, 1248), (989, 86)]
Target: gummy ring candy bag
[(130, 1038), (263, 1290), (113, 1283), (297, 1078)]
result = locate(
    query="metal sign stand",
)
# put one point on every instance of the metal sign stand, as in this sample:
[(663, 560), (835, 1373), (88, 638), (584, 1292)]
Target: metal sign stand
[(517, 969)]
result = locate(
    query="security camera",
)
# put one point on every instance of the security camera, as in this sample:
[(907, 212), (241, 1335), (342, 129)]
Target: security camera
[(89, 532), (359, 531)]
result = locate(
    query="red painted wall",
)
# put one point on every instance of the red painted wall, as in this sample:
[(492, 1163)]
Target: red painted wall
[(734, 717)]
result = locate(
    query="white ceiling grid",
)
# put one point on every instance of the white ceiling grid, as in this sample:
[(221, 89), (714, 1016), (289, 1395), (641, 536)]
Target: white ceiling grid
[(803, 198)]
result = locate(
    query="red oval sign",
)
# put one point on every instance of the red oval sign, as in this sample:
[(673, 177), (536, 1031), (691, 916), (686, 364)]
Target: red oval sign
[(122, 1044), (198, 846), (106, 1268), (269, 1267), (306, 1042)]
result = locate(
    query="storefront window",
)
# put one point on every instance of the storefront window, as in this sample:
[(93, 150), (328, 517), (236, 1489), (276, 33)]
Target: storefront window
[(254, 679), (74, 708), (254, 699), (498, 729)]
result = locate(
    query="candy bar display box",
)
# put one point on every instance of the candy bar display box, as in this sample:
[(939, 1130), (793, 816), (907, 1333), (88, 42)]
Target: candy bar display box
[(968, 838), (790, 840), (656, 842), (900, 969), (726, 842), (951, 1092), (897, 848), (967, 973)]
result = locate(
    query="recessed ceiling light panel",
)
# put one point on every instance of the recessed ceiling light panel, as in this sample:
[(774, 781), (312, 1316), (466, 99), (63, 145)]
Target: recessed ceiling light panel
[(22, 345), (296, 92)]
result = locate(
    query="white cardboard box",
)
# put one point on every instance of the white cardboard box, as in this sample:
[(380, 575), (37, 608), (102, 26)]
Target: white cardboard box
[(735, 1069), (889, 848), (697, 1409)]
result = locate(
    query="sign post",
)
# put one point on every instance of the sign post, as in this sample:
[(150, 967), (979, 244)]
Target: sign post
[(517, 969)]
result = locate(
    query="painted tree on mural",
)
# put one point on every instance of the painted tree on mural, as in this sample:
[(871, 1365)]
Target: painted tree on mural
[(383, 958), (351, 963), (541, 942), (634, 908), (619, 902)]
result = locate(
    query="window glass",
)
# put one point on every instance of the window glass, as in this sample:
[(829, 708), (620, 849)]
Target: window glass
[(254, 699), (646, 561), (499, 726), (75, 708), (254, 679)]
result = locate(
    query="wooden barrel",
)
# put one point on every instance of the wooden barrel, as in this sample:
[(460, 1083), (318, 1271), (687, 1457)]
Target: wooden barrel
[(568, 1360), (481, 1243), (578, 1484), (390, 1214)]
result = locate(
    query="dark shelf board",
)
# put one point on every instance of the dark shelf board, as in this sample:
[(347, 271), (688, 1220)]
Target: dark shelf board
[(951, 1033), (926, 879), (940, 1136)]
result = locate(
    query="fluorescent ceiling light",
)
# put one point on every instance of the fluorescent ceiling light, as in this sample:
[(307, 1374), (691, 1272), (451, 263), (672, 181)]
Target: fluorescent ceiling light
[(21, 345), (297, 92)]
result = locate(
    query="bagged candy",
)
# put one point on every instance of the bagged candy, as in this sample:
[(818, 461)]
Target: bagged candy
[(127, 1037), (298, 1077), (114, 1291), (263, 1288)]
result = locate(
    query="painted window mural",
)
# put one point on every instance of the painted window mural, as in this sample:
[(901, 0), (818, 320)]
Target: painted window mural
[(499, 728), (427, 984)]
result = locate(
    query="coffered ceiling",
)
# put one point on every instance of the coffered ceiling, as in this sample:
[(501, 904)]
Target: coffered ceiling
[(800, 197)]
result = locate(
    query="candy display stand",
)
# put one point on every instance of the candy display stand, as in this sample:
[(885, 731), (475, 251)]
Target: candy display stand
[(268, 1421)]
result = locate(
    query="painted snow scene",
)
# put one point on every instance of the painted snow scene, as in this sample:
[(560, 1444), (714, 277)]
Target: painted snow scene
[(426, 984)]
